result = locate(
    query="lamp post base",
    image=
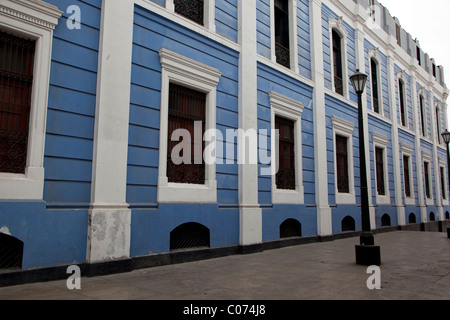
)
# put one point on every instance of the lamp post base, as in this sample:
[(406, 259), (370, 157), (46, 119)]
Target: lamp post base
[(368, 255)]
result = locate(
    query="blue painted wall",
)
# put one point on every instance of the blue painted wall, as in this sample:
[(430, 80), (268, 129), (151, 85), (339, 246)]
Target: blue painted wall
[(152, 223)]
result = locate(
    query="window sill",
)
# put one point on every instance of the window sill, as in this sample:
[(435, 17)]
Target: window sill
[(187, 193), (28, 186)]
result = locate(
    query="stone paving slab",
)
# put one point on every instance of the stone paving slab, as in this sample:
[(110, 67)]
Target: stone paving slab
[(415, 266)]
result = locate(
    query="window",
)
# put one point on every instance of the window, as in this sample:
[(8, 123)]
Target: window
[(188, 95), (442, 176), (337, 63), (191, 9), (343, 160), (285, 178), (342, 164), (186, 111), (286, 155), (398, 34), (282, 42), (375, 85), (16, 80), (438, 125), (24, 86), (379, 159), (422, 115), (434, 70), (419, 60), (401, 89), (426, 169), (407, 175)]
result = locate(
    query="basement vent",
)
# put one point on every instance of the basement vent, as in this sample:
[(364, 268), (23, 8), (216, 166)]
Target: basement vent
[(11, 252), (348, 224), (432, 217), (189, 235), (290, 228), (385, 220)]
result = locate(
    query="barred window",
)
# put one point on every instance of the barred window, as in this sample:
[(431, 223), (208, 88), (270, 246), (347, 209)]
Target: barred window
[(342, 164), (285, 178), (186, 107), (191, 9), (16, 79)]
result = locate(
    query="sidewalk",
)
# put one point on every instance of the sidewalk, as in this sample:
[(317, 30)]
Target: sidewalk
[(415, 265)]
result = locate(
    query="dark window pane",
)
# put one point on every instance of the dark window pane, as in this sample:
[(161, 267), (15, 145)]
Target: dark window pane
[(342, 164), (191, 9), (285, 178)]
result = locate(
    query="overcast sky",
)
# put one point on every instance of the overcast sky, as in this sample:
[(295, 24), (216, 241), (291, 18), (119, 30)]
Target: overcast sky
[(429, 22)]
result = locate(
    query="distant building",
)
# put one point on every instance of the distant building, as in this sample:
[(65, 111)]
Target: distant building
[(91, 93)]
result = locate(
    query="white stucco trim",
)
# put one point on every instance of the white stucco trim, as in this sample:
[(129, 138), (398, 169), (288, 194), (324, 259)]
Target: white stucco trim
[(35, 20), (181, 70), (290, 109), (345, 129)]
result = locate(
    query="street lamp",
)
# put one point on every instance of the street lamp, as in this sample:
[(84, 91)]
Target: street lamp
[(446, 137), (366, 253)]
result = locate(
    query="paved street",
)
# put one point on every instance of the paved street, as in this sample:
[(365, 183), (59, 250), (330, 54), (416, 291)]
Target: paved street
[(415, 265)]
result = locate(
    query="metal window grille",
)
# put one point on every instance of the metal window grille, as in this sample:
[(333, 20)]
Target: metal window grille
[(186, 107), (16, 79), (342, 164), (11, 252), (290, 228), (285, 177), (189, 235), (191, 9)]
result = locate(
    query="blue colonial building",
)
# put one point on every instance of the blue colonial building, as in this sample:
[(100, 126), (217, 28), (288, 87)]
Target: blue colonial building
[(93, 92)]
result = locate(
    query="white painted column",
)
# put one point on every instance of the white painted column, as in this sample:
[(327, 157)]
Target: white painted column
[(250, 213), (109, 216), (324, 221), (418, 154), (361, 65), (395, 141)]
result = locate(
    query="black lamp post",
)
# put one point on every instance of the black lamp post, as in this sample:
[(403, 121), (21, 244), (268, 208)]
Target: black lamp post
[(366, 253), (446, 137)]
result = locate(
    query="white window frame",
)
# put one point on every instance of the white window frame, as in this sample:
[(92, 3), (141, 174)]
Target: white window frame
[(195, 75), (35, 20), (209, 13), (374, 54), (381, 141), (427, 157), (401, 77), (336, 24), (344, 128), (421, 94), (289, 109), (407, 150), (293, 38)]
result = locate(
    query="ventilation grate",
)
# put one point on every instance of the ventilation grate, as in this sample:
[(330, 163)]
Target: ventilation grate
[(11, 252), (348, 224), (189, 235), (290, 228)]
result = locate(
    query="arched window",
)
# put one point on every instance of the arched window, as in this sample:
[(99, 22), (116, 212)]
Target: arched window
[(189, 235), (432, 216), (375, 86), (290, 228), (11, 252), (337, 63), (385, 220), (348, 224), (401, 90)]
